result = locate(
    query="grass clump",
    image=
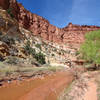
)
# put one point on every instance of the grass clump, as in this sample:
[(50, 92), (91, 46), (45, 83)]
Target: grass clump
[(17, 70), (12, 60)]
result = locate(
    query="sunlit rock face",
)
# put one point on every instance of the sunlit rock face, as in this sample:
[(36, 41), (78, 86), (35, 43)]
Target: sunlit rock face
[(75, 34), (71, 34)]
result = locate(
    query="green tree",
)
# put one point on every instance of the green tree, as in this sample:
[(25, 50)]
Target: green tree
[(40, 57), (90, 49)]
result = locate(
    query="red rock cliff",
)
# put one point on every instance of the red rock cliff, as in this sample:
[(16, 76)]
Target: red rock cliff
[(72, 34), (4, 4)]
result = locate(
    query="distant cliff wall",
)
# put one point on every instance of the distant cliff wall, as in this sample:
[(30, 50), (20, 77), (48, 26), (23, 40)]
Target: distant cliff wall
[(71, 34)]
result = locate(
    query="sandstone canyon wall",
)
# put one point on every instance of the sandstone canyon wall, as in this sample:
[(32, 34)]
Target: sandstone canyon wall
[(71, 34), (4, 4)]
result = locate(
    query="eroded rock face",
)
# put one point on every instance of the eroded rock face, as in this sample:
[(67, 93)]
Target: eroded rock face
[(9, 25), (37, 24), (71, 34), (74, 34), (4, 49), (4, 4)]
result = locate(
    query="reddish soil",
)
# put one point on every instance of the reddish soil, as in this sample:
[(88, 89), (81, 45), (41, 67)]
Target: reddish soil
[(47, 88), (91, 94)]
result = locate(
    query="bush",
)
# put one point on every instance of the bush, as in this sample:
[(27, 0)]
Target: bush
[(90, 50), (77, 53), (53, 55), (38, 46), (38, 56), (28, 49), (1, 33), (9, 11)]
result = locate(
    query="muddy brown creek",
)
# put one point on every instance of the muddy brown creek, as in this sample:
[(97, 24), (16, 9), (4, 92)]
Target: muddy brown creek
[(47, 88)]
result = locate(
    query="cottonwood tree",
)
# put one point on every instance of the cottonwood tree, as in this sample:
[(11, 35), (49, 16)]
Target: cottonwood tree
[(90, 49)]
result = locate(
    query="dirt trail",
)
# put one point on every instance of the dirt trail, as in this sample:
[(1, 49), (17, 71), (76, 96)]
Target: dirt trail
[(47, 88), (91, 93)]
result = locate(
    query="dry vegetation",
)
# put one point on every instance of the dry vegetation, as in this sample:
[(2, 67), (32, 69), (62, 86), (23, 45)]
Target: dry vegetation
[(12, 72), (98, 84)]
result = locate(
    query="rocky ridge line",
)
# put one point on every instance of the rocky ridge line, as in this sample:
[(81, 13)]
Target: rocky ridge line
[(69, 35)]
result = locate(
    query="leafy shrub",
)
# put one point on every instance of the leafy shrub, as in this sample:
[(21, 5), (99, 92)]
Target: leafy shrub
[(27, 46), (77, 53), (53, 55), (38, 46), (28, 49), (1, 33), (1, 58), (38, 56), (90, 50), (9, 11)]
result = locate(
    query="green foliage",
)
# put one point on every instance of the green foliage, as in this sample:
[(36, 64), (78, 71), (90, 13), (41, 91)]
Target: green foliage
[(1, 33), (38, 46), (38, 56), (77, 53), (90, 50), (53, 55), (9, 11), (28, 49)]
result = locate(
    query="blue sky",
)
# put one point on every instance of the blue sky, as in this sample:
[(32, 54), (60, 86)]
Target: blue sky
[(61, 12)]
